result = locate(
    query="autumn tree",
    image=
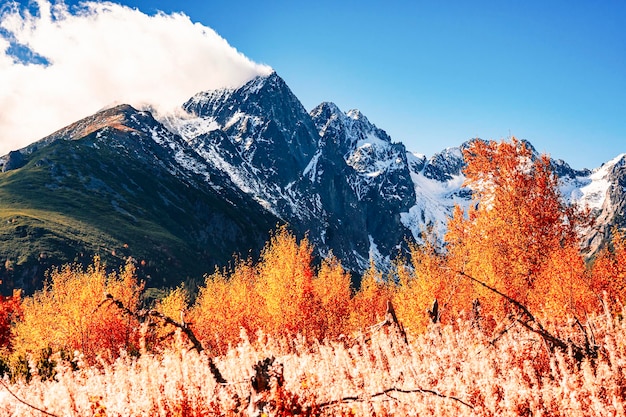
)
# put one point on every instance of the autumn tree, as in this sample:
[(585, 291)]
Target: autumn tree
[(608, 271), (285, 282), (517, 230), (227, 303), (10, 312), (68, 314), (370, 302), (174, 305), (281, 294), (332, 287), (424, 281)]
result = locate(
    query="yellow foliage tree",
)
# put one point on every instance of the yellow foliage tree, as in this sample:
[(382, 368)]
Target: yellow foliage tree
[(333, 288), (280, 295), (425, 281), (67, 314), (174, 305), (226, 304), (369, 304), (285, 282)]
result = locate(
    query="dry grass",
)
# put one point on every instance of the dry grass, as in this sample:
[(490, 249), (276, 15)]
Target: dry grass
[(450, 370)]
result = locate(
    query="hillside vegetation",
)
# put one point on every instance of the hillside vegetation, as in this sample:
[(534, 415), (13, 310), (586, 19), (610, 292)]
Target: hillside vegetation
[(506, 319), (113, 194)]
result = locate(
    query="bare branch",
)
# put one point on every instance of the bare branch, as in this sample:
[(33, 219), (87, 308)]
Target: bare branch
[(25, 403), (390, 320), (350, 399), (533, 325), (184, 327)]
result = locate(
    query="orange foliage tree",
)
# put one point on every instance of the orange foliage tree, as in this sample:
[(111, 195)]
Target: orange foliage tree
[(518, 233), (285, 282), (10, 312), (67, 314), (608, 271)]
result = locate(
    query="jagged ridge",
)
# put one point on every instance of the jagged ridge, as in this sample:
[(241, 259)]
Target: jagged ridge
[(234, 163)]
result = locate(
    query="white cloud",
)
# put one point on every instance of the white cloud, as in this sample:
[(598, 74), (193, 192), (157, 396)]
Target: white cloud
[(99, 54)]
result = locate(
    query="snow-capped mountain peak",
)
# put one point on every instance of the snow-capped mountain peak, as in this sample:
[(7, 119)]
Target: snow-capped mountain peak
[(331, 174), (327, 116), (356, 115)]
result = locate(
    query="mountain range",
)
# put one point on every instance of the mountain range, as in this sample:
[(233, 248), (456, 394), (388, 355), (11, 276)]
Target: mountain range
[(182, 193)]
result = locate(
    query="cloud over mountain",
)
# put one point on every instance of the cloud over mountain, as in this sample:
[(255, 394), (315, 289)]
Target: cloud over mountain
[(62, 63)]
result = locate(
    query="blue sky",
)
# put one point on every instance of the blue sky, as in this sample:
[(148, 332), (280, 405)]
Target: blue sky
[(434, 74)]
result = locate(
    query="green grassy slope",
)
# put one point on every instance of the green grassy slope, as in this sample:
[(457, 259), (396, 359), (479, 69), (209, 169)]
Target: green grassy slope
[(111, 193)]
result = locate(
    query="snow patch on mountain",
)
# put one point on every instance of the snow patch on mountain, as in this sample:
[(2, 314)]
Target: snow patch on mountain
[(380, 260), (434, 205), (372, 140), (181, 154), (188, 126), (310, 171), (372, 156), (244, 179), (438, 183), (208, 101), (416, 158), (233, 120), (591, 190), (257, 83)]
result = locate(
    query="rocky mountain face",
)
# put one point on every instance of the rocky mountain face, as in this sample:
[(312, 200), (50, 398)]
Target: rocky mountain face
[(603, 191), (183, 193), (332, 175)]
